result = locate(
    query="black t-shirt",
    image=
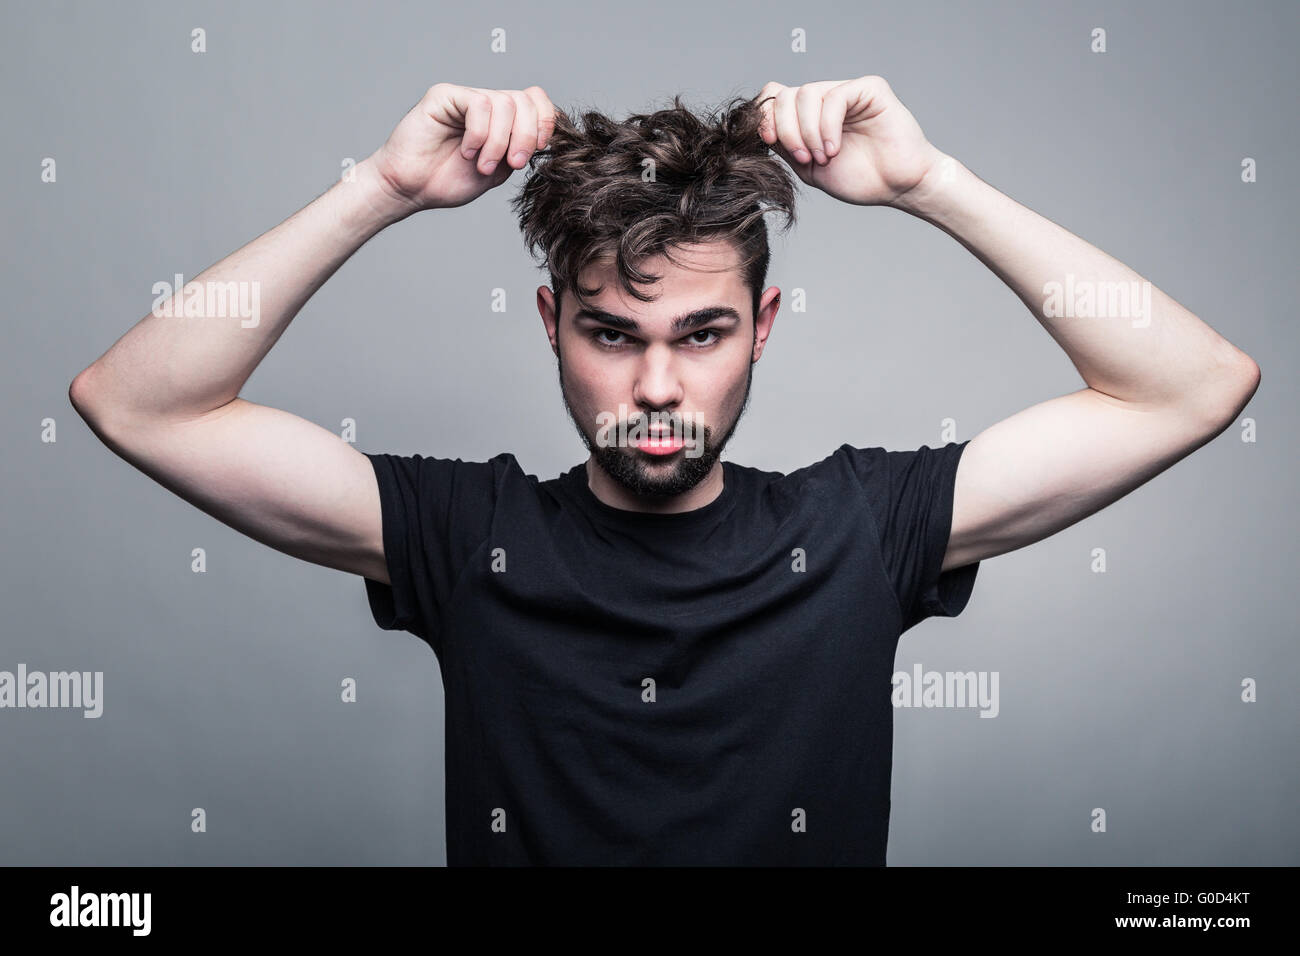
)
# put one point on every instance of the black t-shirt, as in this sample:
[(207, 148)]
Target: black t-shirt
[(707, 687)]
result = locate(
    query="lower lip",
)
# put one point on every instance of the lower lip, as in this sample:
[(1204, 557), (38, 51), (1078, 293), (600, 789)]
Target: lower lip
[(667, 446)]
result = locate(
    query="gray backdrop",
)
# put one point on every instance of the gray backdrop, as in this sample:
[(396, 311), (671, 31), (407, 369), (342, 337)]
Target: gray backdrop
[(1119, 690)]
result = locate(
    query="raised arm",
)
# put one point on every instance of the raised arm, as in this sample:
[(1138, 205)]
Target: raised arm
[(1160, 382), (165, 396)]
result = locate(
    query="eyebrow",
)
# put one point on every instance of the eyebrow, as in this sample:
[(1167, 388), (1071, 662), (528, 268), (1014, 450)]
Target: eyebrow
[(681, 323)]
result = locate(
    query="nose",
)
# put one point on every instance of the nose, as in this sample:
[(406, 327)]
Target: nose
[(657, 383)]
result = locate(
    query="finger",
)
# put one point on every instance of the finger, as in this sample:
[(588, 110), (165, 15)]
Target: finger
[(787, 126), (477, 117), (545, 115), (811, 107), (766, 106), (808, 110), (766, 100), (834, 106), (503, 120), (523, 134)]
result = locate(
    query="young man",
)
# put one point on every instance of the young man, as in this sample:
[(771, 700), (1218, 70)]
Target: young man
[(659, 656)]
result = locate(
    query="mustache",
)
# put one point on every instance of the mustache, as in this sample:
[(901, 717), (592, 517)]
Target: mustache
[(674, 422)]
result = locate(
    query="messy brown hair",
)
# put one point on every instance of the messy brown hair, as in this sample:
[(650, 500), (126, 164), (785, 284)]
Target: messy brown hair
[(588, 197)]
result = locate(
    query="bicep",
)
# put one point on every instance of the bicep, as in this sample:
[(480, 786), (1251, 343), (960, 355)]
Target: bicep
[(278, 478), (1053, 464)]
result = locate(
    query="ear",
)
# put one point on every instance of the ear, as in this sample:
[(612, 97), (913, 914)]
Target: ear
[(767, 309), (546, 307)]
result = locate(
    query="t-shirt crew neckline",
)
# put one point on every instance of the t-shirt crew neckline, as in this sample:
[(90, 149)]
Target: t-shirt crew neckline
[(575, 479)]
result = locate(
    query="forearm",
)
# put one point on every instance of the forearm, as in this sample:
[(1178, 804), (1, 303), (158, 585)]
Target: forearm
[(198, 346), (1126, 338)]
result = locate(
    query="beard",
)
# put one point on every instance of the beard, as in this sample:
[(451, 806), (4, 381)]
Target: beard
[(659, 477)]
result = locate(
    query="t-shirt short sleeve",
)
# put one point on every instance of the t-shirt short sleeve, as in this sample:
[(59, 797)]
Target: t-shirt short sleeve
[(436, 513), (911, 497)]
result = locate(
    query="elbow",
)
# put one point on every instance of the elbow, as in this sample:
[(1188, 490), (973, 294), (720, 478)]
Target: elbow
[(1253, 377), (87, 399), (1240, 379), (79, 392), (1248, 377)]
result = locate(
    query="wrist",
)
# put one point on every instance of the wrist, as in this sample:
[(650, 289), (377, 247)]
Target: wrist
[(378, 203), (936, 190)]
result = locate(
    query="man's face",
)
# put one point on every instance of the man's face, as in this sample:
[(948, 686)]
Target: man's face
[(687, 356)]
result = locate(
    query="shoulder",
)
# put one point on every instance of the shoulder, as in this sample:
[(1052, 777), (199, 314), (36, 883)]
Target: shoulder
[(846, 464), (435, 480), (884, 477), (875, 466), (824, 483), (503, 465)]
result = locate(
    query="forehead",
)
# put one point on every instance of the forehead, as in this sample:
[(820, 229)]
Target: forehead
[(705, 274)]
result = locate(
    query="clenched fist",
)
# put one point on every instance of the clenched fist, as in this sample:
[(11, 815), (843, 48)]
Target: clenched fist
[(460, 141), (852, 139)]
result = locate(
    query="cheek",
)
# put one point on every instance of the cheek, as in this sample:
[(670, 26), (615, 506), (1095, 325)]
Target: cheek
[(718, 399), (591, 386)]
